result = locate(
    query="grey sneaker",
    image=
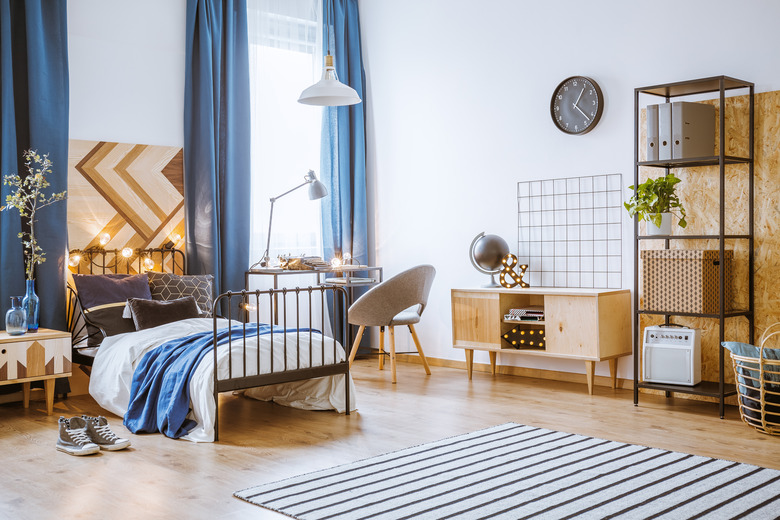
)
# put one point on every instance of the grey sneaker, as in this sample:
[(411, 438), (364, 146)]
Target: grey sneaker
[(101, 434), (74, 439)]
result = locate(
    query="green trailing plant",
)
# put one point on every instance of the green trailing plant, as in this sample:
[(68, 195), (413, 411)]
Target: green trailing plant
[(654, 197), (28, 198)]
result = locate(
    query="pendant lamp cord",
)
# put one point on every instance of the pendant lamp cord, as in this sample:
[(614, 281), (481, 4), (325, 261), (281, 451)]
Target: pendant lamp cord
[(327, 28)]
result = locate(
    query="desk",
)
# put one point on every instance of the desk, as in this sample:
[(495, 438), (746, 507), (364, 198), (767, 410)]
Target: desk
[(343, 276)]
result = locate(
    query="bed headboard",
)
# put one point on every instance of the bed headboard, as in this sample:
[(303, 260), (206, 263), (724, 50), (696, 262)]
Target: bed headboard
[(107, 261)]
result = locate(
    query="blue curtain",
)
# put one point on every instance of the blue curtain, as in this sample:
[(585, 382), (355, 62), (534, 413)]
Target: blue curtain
[(217, 142), (343, 167), (343, 154), (34, 115)]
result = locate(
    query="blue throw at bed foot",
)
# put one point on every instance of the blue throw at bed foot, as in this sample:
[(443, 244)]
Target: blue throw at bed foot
[(160, 392)]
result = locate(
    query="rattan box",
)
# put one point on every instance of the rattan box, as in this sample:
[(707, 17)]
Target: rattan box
[(684, 280)]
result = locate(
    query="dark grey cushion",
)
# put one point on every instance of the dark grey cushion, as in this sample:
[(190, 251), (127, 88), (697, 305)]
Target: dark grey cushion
[(168, 286), (102, 298), (153, 313)]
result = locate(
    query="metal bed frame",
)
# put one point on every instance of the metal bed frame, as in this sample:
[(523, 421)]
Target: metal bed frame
[(266, 372), (243, 306), (97, 260)]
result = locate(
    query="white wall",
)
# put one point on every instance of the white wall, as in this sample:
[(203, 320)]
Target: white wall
[(458, 113), (126, 62)]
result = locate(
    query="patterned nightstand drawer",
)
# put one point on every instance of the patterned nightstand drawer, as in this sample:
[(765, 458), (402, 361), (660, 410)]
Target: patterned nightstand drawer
[(44, 355), (33, 355)]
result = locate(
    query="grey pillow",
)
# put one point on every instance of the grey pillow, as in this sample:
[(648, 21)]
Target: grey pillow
[(168, 286), (153, 313)]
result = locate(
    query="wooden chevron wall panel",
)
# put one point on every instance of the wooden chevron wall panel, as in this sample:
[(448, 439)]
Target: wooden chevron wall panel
[(133, 192)]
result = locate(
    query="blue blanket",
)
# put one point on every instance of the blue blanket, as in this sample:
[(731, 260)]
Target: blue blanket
[(160, 392)]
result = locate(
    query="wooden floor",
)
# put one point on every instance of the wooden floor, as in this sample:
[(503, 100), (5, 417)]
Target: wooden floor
[(262, 442)]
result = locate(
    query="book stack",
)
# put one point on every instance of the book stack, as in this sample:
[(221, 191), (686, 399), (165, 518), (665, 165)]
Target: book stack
[(530, 313)]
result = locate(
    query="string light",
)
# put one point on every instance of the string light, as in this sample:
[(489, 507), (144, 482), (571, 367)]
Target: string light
[(127, 252), (336, 262), (74, 260), (104, 238), (148, 263)]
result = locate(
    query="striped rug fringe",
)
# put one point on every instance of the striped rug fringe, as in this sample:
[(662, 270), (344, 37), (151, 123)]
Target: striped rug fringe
[(517, 472)]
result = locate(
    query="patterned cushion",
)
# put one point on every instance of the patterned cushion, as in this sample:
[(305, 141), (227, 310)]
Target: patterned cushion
[(153, 313), (103, 297), (168, 286)]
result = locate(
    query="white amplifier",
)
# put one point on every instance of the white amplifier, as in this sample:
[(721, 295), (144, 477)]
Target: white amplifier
[(671, 355)]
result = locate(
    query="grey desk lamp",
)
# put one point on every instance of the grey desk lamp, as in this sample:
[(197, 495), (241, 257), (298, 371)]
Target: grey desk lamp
[(317, 190)]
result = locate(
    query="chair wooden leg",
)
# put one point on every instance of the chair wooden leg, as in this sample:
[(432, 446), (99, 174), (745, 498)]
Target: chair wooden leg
[(392, 353), (420, 350), (355, 344), (382, 347)]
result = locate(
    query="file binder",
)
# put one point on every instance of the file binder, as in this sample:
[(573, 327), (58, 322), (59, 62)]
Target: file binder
[(693, 130), (652, 132), (664, 131)]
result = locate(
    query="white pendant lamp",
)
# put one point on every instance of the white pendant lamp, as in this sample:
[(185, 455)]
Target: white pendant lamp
[(329, 91)]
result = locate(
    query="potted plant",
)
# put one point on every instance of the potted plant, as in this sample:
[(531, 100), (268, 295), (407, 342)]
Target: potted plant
[(27, 197), (655, 201)]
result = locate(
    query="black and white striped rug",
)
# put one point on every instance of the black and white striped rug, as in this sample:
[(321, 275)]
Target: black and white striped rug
[(513, 472)]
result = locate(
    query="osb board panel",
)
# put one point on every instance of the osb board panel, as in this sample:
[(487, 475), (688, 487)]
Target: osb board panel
[(699, 193), (133, 192)]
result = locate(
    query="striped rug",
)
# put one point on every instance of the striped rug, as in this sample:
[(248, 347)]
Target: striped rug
[(516, 472)]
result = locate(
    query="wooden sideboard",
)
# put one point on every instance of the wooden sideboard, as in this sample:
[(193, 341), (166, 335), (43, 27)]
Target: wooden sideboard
[(584, 324)]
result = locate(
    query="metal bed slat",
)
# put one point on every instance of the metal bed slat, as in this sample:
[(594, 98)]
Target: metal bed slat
[(321, 369)]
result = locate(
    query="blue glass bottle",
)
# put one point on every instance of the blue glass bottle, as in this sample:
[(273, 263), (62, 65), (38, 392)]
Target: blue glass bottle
[(31, 305), (16, 318)]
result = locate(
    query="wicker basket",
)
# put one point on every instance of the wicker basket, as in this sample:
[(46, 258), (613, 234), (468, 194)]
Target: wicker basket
[(758, 386)]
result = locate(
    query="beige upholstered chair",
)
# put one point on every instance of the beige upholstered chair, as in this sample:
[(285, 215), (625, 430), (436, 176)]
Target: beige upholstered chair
[(397, 301)]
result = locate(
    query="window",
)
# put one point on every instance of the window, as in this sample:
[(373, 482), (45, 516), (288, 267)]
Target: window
[(285, 57)]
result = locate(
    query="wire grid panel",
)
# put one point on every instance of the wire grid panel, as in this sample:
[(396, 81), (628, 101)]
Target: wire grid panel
[(570, 231)]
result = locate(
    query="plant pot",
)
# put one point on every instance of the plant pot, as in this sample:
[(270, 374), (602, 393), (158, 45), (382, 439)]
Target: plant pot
[(664, 229)]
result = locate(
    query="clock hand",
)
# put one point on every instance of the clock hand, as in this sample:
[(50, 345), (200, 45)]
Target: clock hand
[(578, 97), (581, 112)]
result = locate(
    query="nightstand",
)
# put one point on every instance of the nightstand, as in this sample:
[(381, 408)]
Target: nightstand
[(39, 356)]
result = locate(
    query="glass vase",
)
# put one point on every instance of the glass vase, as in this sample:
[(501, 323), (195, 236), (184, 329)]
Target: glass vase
[(16, 318), (31, 306)]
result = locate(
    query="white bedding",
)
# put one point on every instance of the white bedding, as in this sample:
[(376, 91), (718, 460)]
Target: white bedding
[(117, 357)]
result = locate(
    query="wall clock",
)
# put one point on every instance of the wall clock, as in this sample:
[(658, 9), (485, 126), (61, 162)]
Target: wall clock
[(576, 105)]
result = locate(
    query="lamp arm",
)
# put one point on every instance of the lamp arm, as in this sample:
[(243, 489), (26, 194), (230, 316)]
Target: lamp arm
[(274, 199), (265, 259)]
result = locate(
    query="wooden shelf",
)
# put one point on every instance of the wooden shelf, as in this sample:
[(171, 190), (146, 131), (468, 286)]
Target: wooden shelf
[(708, 388), (696, 86), (729, 314), (692, 237), (524, 322), (717, 86), (695, 161)]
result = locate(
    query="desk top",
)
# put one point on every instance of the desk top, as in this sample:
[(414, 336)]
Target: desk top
[(329, 269)]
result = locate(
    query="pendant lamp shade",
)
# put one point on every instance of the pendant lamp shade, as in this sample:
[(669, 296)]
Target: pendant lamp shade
[(329, 91)]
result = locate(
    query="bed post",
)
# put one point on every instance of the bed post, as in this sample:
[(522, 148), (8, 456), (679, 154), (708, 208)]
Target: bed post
[(343, 295), (216, 379)]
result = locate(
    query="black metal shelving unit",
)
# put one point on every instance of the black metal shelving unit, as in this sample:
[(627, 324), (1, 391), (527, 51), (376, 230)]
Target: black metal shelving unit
[(717, 84)]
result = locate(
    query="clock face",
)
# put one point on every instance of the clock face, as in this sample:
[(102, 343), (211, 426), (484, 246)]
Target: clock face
[(576, 105)]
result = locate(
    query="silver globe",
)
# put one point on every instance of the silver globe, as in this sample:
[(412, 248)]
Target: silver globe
[(486, 254)]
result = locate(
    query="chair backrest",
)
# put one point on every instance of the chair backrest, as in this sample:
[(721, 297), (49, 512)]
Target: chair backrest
[(384, 301)]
